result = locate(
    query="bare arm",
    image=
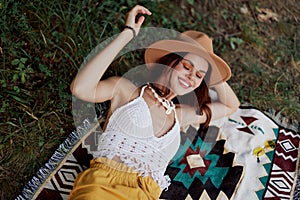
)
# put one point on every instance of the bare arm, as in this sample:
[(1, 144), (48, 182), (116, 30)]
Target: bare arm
[(87, 85), (226, 104)]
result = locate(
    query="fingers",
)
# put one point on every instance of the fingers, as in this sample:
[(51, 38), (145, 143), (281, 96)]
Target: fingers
[(141, 10), (134, 13), (140, 20)]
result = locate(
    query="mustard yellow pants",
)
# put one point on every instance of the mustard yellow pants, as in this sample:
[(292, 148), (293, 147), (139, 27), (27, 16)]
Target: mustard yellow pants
[(110, 180)]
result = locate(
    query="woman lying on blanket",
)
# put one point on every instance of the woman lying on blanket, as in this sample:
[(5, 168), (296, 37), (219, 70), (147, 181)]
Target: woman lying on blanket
[(143, 132)]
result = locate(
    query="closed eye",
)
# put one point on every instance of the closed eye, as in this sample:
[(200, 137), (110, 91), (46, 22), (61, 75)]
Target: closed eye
[(187, 67), (190, 67), (199, 74)]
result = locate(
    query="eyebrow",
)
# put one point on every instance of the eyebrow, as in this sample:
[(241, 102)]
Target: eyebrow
[(194, 65)]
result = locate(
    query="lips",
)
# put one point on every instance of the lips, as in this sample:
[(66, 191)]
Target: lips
[(184, 83)]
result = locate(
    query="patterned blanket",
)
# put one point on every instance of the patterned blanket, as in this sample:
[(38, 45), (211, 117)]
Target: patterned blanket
[(248, 155)]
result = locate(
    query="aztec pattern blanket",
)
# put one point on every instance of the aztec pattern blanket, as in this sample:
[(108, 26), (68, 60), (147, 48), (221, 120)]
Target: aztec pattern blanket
[(232, 160)]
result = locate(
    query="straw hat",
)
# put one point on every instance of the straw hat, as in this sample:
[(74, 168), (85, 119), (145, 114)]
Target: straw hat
[(192, 42)]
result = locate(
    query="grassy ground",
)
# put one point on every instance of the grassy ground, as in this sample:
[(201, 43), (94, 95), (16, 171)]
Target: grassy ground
[(43, 44)]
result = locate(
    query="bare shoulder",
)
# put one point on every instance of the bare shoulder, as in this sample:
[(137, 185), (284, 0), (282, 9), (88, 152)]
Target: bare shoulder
[(122, 85), (123, 91), (112, 88)]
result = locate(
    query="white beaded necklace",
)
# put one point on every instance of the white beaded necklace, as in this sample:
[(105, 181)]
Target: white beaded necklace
[(168, 105)]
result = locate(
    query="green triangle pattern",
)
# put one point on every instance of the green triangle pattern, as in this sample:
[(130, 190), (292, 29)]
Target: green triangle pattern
[(268, 167)]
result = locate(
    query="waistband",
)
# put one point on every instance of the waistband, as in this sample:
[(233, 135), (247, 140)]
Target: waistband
[(114, 177)]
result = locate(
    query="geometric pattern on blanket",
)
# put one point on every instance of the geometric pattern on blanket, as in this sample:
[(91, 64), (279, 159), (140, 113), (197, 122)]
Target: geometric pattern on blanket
[(213, 177), (284, 169), (217, 164), (63, 180)]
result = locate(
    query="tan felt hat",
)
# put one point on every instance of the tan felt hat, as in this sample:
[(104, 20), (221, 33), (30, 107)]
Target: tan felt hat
[(192, 42)]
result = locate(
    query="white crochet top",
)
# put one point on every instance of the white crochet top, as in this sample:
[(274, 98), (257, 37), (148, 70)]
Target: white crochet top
[(129, 136)]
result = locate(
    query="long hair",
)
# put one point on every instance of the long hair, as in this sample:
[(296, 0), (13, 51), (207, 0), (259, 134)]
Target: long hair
[(199, 99)]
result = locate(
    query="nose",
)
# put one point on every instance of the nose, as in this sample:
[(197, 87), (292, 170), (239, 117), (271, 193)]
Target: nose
[(190, 78), (191, 74)]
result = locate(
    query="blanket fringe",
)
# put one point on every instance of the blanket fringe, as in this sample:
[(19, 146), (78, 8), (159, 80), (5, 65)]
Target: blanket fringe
[(283, 121), (44, 172), (277, 117)]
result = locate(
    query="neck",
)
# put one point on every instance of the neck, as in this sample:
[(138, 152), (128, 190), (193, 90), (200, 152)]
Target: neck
[(170, 96), (167, 104), (160, 86)]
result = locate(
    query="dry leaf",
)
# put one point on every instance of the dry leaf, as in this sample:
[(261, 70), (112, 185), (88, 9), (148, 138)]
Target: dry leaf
[(244, 10), (295, 65), (266, 15)]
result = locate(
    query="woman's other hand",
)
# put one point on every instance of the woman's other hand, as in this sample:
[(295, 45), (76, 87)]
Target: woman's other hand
[(135, 17)]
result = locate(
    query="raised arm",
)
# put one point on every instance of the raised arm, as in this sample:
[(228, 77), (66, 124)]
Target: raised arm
[(226, 104), (227, 101), (87, 85)]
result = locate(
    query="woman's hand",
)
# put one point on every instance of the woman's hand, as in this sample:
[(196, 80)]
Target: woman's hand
[(132, 16), (86, 84)]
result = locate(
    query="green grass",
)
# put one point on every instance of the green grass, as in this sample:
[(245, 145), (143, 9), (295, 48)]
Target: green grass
[(43, 44)]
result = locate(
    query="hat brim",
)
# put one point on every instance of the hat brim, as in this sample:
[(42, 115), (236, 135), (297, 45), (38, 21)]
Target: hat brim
[(220, 71)]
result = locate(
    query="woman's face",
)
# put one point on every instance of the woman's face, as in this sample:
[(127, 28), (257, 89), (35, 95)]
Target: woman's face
[(188, 74)]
